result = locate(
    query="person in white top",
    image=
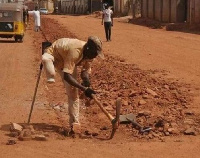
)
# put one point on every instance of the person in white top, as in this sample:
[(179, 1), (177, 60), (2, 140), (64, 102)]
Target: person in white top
[(36, 16), (107, 20)]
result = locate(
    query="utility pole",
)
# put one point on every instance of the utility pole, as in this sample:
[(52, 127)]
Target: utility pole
[(133, 8), (74, 6), (91, 6)]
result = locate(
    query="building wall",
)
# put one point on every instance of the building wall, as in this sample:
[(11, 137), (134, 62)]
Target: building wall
[(166, 11), (151, 9), (80, 6), (47, 4), (74, 7), (172, 10), (3, 1), (123, 7), (144, 8), (116, 6), (158, 10), (197, 11), (30, 5)]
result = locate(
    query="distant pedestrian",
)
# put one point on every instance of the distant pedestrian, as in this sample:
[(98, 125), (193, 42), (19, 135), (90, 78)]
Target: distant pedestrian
[(36, 16), (107, 20), (25, 16)]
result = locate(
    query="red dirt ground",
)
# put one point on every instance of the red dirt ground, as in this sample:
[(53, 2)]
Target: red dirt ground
[(137, 59)]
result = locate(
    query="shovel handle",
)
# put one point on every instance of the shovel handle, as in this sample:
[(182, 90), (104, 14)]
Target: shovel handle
[(110, 117)]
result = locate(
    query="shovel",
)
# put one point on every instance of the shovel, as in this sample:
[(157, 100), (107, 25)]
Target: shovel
[(131, 118)]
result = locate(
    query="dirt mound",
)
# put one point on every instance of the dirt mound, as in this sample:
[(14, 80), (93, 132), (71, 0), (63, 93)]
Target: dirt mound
[(159, 103), (156, 102), (97, 14), (154, 24), (184, 27), (147, 22)]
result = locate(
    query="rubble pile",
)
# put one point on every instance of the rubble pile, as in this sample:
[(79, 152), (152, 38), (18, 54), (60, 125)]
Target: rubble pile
[(24, 133), (158, 103)]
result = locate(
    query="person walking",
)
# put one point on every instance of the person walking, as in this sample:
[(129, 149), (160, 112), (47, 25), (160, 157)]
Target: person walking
[(65, 55), (107, 20), (36, 16), (25, 16)]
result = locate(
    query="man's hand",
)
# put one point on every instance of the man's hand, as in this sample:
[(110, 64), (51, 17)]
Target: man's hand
[(86, 83), (89, 92)]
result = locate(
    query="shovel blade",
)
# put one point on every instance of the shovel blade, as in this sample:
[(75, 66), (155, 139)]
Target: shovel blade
[(123, 118)]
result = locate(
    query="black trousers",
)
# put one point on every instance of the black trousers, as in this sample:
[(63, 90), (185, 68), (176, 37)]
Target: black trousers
[(107, 26)]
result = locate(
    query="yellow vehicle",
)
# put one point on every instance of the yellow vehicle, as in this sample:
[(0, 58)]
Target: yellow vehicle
[(11, 21)]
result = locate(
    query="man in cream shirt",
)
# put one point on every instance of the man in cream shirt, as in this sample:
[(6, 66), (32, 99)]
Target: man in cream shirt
[(65, 55)]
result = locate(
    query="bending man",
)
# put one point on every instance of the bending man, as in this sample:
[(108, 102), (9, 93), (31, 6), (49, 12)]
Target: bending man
[(66, 54)]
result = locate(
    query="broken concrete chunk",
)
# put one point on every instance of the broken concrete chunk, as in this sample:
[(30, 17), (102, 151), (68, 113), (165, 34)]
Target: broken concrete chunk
[(11, 142), (24, 138), (153, 93), (15, 127), (166, 86), (173, 130), (25, 135), (189, 112), (40, 138), (14, 134), (190, 131), (144, 113), (142, 102), (132, 93), (145, 96), (124, 103), (189, 121)]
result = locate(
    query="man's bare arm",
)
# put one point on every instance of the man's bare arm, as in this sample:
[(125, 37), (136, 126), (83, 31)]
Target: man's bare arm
[(72, 81)]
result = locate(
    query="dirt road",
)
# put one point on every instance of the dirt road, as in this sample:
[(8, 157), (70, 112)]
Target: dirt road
[(137, 58)]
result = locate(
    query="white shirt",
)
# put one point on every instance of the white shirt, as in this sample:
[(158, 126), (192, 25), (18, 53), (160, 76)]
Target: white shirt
[(107, 15), (36, 15)]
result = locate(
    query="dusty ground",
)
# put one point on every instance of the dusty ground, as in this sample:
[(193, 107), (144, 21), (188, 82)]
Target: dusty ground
[(137, 59)]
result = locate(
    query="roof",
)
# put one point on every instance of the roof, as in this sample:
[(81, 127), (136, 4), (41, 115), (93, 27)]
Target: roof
[(11, 6)]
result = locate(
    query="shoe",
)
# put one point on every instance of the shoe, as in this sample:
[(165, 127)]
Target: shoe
[(76, 128), (51, 80)]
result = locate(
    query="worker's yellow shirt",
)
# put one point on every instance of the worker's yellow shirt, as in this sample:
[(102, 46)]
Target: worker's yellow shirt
[(67, 54)]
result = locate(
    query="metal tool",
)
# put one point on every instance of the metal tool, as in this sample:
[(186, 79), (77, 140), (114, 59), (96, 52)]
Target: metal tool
[(131, 118), (114, 121)]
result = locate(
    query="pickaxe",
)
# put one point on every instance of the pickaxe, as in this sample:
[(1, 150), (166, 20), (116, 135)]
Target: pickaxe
[(114, 121)]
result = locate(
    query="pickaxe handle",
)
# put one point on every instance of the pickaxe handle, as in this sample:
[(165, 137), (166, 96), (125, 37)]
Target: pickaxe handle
[(110, 117), (114, 121)]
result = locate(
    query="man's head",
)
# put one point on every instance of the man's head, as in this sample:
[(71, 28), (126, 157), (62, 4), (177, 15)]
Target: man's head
[(36, 8), (106, 6), (93, 48)]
